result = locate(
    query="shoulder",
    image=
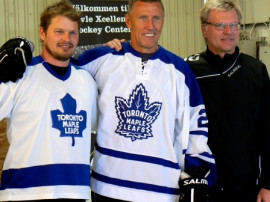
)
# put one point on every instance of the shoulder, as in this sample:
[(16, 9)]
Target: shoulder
[(249, 60), (36, 60), (196, 59), (168, 57), (199, 64), (93, 54), (82, 74), (255, 69), (96, 53), (252, 64), (35, 65)]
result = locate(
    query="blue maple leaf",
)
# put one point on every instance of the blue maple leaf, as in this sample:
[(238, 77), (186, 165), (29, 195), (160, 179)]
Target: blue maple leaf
[(69, 123), (136, 115)]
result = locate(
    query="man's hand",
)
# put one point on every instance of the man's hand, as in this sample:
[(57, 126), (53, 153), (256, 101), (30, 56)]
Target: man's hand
[(15, 54), (115, 43), (264, 195)]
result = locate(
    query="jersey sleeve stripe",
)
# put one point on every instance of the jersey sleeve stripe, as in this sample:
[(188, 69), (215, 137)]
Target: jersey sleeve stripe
[(199, 132)]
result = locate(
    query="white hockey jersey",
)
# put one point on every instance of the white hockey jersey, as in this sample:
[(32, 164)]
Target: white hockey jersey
[(49, 128), (152, 124)]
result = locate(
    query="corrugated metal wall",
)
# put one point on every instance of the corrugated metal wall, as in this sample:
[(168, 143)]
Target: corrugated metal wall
[(182, 29), (181, 32), (21, 18)]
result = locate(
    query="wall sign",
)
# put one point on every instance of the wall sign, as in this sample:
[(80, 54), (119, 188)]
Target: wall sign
[(102, 21)]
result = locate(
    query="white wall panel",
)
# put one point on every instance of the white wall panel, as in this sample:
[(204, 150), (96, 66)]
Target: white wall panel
[(21, 18), (182, 29), (255, 11)]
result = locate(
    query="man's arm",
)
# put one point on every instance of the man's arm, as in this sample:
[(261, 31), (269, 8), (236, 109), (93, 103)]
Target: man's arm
[(198, 163), (264, 182)]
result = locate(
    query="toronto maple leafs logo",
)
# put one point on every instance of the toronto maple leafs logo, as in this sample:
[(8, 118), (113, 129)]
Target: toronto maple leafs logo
[(68, 122), (136, 115)]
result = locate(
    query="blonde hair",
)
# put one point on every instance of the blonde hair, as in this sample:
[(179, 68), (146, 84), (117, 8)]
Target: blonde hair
[(224, 5)]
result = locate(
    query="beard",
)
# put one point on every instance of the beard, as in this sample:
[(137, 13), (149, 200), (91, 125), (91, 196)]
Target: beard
[(59, 56)]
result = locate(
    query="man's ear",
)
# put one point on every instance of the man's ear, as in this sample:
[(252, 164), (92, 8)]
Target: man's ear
[(204, 29), (42, 33), (128, 23)]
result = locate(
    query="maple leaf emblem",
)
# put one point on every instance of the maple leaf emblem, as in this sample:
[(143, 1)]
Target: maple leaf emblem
[(136, 115), (70, 123)]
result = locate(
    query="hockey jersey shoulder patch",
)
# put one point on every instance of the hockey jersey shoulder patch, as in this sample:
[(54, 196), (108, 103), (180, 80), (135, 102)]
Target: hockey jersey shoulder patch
[(136, 115)]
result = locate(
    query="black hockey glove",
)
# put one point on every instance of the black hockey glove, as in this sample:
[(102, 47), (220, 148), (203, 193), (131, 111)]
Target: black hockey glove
[(193, 189), (15, 54)]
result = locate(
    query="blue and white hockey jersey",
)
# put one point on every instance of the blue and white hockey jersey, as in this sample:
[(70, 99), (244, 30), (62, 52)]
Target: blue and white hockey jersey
[(49, 126), (152, 124)]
